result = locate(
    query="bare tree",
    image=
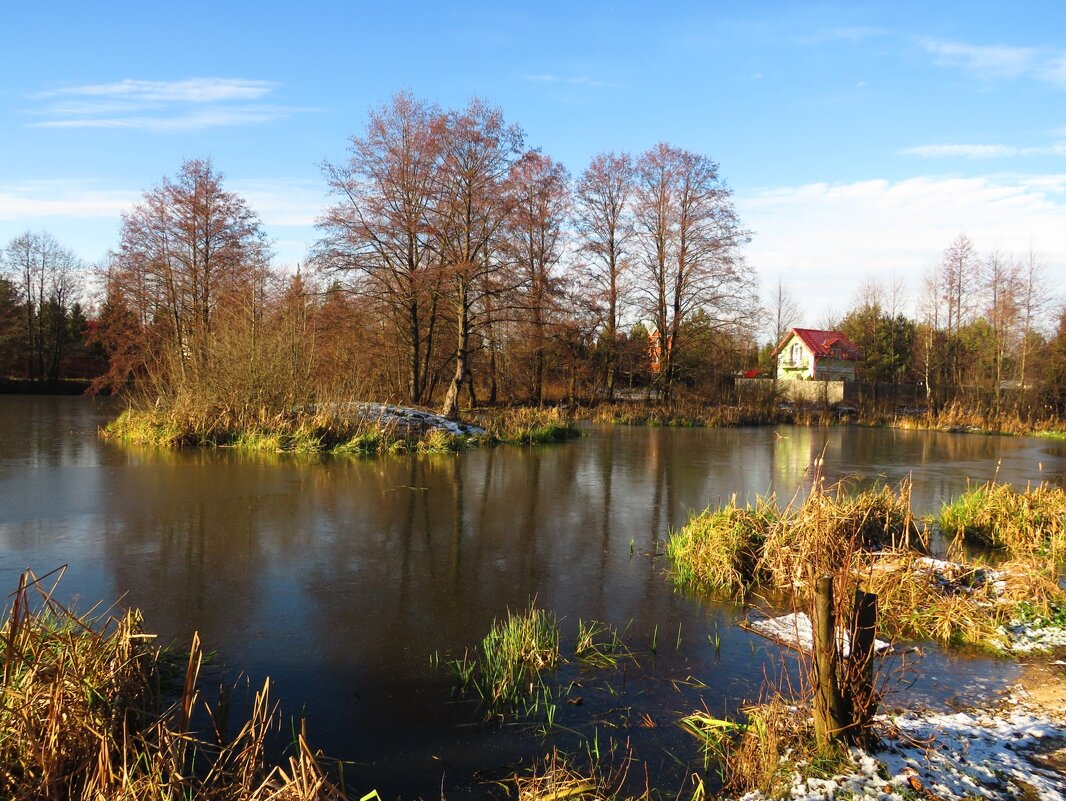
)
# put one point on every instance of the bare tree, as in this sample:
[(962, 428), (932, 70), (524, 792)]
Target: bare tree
[(1002, 283), (379, 228), (603, 221), (185, 247), (474, 202), (958, 279), (784, 312), (47, 280), (540, 188), (1035, 302), (690, 237)]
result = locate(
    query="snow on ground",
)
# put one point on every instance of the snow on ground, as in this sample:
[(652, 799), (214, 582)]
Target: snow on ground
[(982, 754), (1028, 638), (795, 631), (408, 418)]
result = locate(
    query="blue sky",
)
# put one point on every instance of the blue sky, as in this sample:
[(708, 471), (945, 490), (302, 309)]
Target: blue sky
[(859, 138)]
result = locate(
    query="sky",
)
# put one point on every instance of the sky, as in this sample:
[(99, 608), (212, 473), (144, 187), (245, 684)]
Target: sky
[(859, 139)]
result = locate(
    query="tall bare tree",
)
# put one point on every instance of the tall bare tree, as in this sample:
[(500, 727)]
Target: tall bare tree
[(47, 279), (1002, 281), (958, 279), (379, 228), (541, 193), (690, 240), (784, 311), (185, 247), (474, 202), (604, 223)]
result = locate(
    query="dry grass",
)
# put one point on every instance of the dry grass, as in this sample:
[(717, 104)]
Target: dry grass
[(960, 417), (81, 716), (734, 548), (777, 738), (557, 777), (871, 539), (820, 535), (1026, 525), (721, 550)]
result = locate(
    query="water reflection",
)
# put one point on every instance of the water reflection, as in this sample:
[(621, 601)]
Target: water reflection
[(343, 578)]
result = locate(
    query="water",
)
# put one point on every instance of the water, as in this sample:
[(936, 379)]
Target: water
[(345, 580)]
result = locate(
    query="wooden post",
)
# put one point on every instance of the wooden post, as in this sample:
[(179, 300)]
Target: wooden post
[(831, 720), (861, 664)]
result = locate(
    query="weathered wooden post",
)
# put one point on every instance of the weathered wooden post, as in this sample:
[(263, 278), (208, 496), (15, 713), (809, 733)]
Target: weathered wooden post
[(861, 665), (831, 720)]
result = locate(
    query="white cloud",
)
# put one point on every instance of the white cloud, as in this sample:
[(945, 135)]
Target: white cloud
[(575, 80), (966, 151), (1000, 61), (158, 106), (191, 90), (194, 120), (983, 151), (41, 200), (824, 239), (288, 202)]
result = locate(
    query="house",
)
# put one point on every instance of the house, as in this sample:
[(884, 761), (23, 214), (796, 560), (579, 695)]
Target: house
[(818, 355)]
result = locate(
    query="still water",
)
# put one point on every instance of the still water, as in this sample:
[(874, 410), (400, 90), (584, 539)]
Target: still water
[(348, 581)]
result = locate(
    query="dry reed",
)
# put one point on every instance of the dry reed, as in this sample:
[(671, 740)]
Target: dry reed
[(82, 716)]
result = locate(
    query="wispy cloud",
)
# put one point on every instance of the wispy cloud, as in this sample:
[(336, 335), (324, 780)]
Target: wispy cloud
[(841, 33), (158, 106), (983, 151), (998, 61), (191, 90), (48, 199), (827, 237), (574, 80)]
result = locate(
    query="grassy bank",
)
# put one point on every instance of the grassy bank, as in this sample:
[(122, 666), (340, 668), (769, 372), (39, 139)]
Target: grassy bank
[(85, 713), (339, 430), (960, 418), (874, 539), (954, 418)]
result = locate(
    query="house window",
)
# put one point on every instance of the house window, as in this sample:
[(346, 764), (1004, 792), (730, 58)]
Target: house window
[(797, 353)]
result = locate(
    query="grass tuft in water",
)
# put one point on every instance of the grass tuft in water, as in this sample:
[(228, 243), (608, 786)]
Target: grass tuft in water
[(1029, 524), (719, 550), (513, 654)]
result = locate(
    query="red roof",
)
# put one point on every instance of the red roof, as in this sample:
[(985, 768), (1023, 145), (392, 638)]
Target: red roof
[(822, 343)]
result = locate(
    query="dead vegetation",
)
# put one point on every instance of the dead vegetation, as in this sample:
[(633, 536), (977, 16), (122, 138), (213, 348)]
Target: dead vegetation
[(875, 538), (84, 714)]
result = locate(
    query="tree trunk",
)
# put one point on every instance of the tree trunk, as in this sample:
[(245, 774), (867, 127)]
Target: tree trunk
[(450, 409)]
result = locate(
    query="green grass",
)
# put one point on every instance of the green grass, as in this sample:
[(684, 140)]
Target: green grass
[(513, 654), (719, 550), (1024, 524)]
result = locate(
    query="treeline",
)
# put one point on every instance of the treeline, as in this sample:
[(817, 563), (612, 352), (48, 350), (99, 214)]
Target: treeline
[(983, 334), (457, 264), (44, 333)]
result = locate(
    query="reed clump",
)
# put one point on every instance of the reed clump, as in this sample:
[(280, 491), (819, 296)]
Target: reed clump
[(83, 715), (968, 418), (527, 426), (1026, 525), (735, 548), (558, 776), (873, 539), (507, 667), (820, 535), (721, 550), (777, 738)]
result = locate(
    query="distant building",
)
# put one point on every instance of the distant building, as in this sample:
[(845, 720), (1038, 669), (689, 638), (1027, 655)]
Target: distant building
[(819, 355)]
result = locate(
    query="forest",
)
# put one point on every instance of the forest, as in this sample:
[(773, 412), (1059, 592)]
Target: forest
[(458, 267)]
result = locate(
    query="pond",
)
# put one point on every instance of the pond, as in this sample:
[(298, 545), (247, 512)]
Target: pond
[(351, 582)]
